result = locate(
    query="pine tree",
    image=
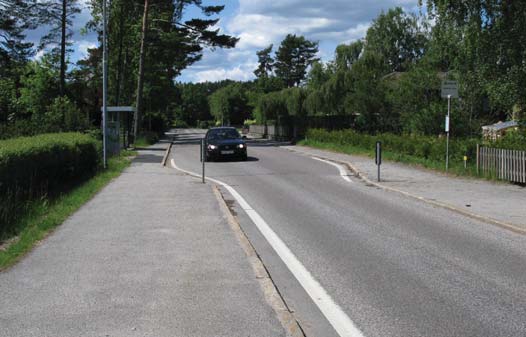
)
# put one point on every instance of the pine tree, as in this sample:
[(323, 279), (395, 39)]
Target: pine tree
[(15, 17), (266, 63), (59, 14), (294, 56)]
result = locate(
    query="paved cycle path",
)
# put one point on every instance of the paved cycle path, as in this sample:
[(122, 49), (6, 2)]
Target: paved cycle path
[(151, 255)]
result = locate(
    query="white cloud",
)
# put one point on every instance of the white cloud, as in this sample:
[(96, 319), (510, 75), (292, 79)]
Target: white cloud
[(242, 72), (83, 46), (260, 23), (39, 55)]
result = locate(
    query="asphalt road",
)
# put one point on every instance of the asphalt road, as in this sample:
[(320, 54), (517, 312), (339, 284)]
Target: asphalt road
[(396, 266)]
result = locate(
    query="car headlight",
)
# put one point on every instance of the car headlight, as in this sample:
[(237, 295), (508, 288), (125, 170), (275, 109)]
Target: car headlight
[(241, 146), (212, 147)]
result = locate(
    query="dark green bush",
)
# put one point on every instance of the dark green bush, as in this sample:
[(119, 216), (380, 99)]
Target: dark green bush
[(147, 138), (178, 123), (513, 140), (425, 147), (32, 168)]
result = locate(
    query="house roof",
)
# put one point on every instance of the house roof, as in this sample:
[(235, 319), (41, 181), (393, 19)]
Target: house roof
[(500, 126)]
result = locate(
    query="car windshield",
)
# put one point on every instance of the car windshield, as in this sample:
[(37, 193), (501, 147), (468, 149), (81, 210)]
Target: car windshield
[(223, 134)]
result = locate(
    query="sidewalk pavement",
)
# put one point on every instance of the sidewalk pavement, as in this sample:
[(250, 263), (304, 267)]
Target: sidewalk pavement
[(500, 203), (151, 255)]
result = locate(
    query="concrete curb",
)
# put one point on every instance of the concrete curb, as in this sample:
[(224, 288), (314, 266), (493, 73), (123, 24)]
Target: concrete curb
[(166, 153), (272, 295), (359, 174), (270, 291)]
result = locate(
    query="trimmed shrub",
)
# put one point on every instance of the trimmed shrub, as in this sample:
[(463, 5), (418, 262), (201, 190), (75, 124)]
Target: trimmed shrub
[(425, 147), (32, 168)]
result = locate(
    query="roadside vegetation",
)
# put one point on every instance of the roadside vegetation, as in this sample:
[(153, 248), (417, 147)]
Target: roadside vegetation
[(36, 217), (423, 151), (390, 81), (48, 94)]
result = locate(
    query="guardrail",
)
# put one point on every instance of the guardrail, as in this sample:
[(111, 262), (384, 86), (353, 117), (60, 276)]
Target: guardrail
[(501, 163)]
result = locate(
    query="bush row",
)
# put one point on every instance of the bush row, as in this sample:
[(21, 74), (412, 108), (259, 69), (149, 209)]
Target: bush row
[(432, 148), (35, 167)]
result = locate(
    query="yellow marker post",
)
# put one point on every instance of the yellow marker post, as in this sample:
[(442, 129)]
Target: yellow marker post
[(465, 162)]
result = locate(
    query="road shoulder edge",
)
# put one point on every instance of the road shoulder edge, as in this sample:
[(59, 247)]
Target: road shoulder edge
[(270, 291), (166, 154)]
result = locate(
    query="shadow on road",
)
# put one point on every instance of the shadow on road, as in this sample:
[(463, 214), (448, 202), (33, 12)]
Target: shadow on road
[(148, 159), (234, 160), (266, 143), (149, 149)]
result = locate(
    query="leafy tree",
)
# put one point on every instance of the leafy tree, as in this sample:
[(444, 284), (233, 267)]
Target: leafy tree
[(64, 115), (318, 75), (188, 38), (38, 88), (294, 56), (490, 42), (86, 84), (229, 105), (367, 97), (347, 55), (398, 38)]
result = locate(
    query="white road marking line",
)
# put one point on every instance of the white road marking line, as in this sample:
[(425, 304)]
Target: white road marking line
[(343, 172), (343, 325)]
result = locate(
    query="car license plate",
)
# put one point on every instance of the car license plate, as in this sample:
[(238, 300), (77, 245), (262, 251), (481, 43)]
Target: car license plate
[(227, 152)]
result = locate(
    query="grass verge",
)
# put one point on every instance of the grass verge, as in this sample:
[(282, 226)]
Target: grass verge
[(45, 216), (455, 168)]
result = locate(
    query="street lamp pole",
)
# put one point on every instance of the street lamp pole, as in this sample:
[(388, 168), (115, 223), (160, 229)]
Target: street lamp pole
[(104, 82)]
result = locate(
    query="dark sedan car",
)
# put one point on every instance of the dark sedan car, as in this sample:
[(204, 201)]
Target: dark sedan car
[(225, 142)]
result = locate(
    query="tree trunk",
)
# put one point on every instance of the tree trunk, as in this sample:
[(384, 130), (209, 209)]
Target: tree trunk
[(119, 58), (63, 23), (140, 80)]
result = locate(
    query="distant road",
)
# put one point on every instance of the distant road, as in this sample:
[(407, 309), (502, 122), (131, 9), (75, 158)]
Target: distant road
[(396, 266)]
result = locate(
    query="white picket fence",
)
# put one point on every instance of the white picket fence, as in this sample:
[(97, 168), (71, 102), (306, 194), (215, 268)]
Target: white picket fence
[(504, 164)]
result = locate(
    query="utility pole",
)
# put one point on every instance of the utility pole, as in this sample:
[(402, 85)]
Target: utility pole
[(104, 82)]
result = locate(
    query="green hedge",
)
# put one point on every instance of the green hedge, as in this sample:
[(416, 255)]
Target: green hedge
[(426, 147), (32, 168)]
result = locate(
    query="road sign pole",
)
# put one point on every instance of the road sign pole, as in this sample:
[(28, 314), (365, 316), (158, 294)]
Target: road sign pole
[(203, 156), (378, 157), (447, 130)]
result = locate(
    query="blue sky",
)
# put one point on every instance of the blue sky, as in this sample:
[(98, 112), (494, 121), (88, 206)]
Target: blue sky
[(259, 23)]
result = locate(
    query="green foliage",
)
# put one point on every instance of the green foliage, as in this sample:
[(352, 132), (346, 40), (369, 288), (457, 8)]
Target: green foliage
[(424, 147), (266, 63), (63, 115), (229, 105), (513, 140), (42, 216), (146, 139), (179, 124), (275, 105), (191, 104), (347, 55), (35, 167), (270, 107), (39, 87), (398, 38), (294, 56), (249, 122)]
